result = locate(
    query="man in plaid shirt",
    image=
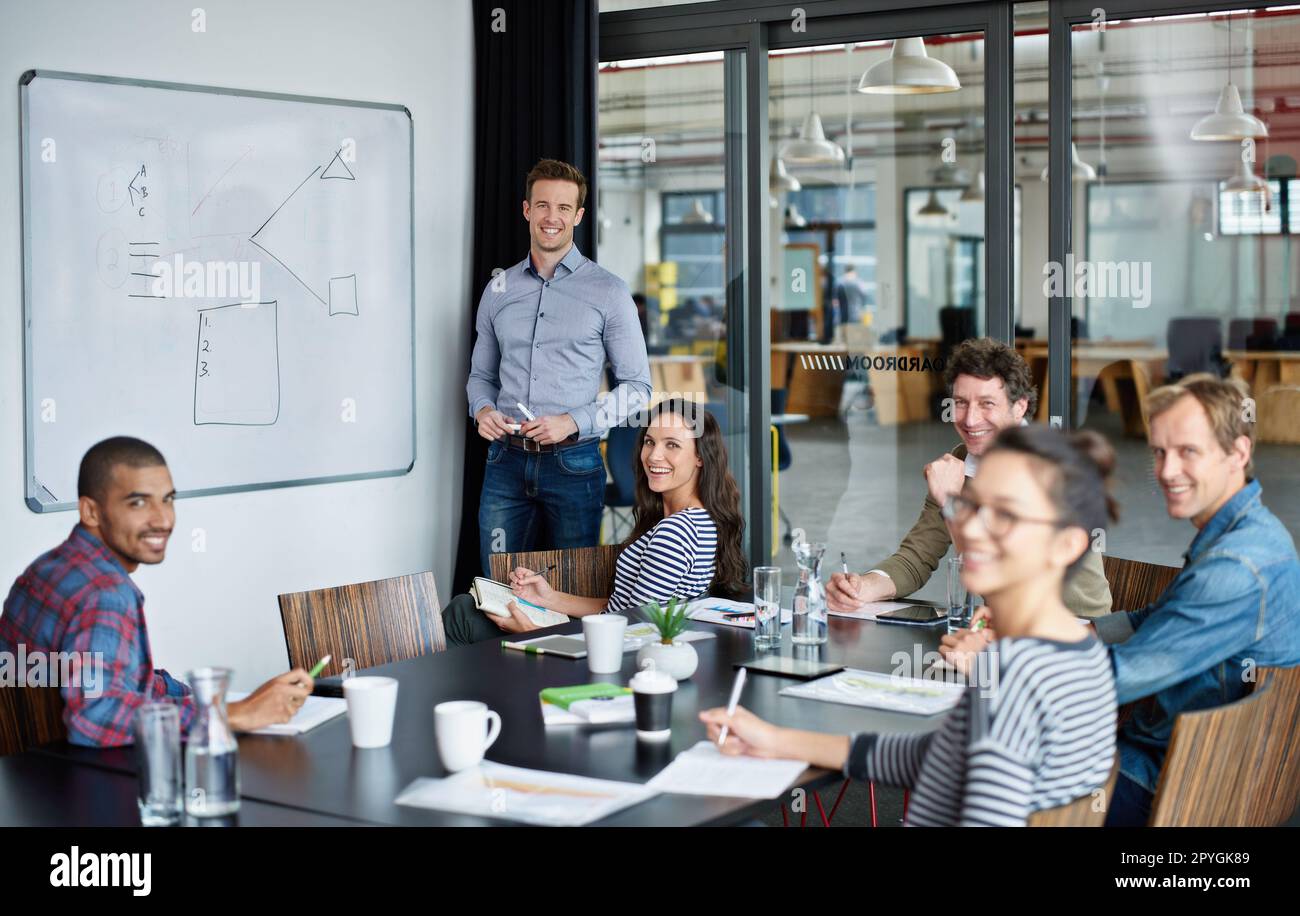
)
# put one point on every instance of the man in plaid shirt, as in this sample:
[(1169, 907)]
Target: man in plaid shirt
[(79, 598)]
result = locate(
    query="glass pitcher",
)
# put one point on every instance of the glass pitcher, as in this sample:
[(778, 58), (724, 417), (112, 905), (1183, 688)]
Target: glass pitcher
[(211, 754), (809, 623)]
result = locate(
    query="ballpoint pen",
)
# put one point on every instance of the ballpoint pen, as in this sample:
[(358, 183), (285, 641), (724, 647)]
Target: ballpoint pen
[(844, 563), (738, 686)]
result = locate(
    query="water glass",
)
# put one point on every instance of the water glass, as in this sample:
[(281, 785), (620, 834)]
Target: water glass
[(767, 607), (959, 606), (158, 755)]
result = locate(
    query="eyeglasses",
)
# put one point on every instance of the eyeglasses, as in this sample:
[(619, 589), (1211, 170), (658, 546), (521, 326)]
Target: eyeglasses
[(996, 521)]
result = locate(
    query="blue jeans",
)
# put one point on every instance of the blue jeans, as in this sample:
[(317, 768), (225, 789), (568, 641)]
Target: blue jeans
[(540, 501), (1130, 804)]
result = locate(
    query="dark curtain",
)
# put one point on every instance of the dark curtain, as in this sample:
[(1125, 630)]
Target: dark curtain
[(534, 98)]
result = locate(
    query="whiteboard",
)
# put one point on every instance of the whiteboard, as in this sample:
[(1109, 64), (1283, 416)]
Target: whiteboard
[(224, 274)]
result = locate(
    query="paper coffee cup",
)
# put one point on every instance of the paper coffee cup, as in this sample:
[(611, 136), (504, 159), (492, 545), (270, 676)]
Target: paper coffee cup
[(604, 634), (652, 697)]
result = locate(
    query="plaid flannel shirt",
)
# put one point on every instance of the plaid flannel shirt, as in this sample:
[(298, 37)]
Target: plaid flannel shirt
[(78, 598)]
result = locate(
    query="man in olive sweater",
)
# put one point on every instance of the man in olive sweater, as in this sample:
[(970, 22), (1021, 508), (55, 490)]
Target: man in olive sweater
[(991, 390)]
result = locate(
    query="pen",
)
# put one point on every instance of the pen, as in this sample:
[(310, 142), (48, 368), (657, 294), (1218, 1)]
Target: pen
[(320, 666), (844, 563), (738, 686), (979, 624), (527, 413), (531, 650)]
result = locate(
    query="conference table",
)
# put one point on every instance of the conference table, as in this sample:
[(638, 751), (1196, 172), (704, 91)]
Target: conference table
[(318, 778)]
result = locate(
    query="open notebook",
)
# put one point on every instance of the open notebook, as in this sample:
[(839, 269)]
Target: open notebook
[(315, 711), (491, 597)]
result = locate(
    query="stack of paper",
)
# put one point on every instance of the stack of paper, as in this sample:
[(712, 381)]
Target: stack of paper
[(855, 687), (530, 796), (715, 610), (587, 704), (705, 770)]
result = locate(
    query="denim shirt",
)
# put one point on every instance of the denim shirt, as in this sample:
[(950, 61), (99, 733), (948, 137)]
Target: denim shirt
[(1235, 606)]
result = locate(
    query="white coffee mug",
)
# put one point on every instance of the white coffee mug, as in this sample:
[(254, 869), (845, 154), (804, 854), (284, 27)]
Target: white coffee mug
[(603, 634), (463, 733), (372, 703)]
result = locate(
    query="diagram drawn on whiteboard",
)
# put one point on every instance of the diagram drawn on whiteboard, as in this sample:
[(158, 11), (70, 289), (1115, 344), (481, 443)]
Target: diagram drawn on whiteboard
[(237, 365), (282, 238)]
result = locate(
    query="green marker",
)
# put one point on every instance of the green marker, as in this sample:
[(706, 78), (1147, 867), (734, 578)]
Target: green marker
[(320, 666)]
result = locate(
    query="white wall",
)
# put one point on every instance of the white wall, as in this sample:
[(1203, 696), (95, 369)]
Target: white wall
[(219, 607)]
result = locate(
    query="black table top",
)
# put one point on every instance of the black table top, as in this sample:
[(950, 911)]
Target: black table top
[(321, 772), (41, 791)]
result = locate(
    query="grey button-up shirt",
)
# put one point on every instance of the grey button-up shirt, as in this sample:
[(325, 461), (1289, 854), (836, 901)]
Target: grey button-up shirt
[(544, 343)]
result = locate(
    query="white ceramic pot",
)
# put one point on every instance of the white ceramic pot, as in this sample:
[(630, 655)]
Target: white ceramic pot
[(679, 659)]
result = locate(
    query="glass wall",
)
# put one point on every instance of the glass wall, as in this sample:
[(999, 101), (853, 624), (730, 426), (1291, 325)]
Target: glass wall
[(1187, 226), (670, 222), (877, 269)]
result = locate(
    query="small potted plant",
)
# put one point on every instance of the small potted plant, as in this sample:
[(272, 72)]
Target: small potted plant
[(670, 654)]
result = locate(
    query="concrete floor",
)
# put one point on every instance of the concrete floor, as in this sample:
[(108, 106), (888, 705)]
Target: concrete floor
[(859, 488)]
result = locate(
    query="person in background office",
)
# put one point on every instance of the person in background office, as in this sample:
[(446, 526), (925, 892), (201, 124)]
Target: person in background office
[(991, 390), (686, 532), (848, 301), (1040, 734), (1233, 607), (545, 330), (79, 598)]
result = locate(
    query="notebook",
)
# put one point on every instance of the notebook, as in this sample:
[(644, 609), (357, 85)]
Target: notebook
[(587, 704), (491, 597), (315, 711)]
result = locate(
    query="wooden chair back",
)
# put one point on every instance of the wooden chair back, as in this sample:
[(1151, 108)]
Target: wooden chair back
[(371, 623)]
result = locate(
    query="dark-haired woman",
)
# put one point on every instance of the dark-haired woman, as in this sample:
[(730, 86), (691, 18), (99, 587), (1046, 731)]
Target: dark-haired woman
[(686, 533), (1042, 732)]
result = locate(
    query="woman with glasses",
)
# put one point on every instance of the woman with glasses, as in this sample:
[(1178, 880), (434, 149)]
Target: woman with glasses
[(1041, 731)]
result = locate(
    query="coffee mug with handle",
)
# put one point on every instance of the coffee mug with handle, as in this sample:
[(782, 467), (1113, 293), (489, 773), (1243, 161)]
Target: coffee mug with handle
[(463, 732)]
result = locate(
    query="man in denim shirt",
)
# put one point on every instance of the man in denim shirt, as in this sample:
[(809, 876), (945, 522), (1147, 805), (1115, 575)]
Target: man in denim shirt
[(1235, 605), (546, 328)]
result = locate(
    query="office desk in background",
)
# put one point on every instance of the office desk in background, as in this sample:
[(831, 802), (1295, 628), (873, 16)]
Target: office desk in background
[(320, 775)]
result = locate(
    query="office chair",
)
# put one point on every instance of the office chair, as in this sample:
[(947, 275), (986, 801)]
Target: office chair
[(620, 492), (1195, 345)]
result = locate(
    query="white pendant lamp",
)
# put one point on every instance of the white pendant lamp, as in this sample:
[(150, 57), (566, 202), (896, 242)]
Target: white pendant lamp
[(1230, 121), (1245, 181), (781, 180), (811, 146), (909, 71), (1079, 170), (697, 215)]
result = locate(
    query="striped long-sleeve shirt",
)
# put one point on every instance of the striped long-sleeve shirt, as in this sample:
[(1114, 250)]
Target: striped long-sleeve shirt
[(675, 558), (1041, 735)]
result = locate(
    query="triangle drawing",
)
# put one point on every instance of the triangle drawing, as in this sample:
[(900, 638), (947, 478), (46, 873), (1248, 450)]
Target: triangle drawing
[(337, 168)]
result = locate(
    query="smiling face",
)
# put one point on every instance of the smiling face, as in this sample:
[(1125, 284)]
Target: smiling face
[(1195, 473), (1011, 485), (552, 211), (670, 457), (135, 514), (981, 410)]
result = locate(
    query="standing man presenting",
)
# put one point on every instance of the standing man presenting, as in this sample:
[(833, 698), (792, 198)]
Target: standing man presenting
[(545, 330)]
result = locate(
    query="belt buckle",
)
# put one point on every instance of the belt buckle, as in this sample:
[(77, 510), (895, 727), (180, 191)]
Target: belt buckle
[(532, 445)]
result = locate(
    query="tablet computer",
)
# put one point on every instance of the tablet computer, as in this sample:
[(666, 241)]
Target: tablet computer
[(805, 669), (915, 615), (563, 646)]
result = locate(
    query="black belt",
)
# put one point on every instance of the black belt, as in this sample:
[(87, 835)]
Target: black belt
[(532, 446)]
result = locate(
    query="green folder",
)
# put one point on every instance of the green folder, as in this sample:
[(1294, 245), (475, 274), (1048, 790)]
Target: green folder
[(564, 697)]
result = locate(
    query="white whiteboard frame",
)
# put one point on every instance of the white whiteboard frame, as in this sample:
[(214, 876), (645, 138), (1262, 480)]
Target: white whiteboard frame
[(31, 485)]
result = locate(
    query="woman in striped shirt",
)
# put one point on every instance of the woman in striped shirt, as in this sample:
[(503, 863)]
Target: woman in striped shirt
[(686, 533), (1042, 732)]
